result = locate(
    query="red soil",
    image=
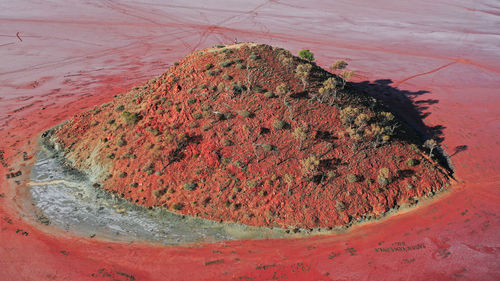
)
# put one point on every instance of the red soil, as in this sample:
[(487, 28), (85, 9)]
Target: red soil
[(454, 237), (209, 147)]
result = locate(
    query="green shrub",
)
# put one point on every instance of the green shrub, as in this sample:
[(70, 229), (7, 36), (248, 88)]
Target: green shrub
[(121, 142), (208, 66), (178, 206), (134, 184), (254, 57), (227, 77), (306, 54), (130, 118), (267, 147), (226, 63), (190, 186), (240, 66)]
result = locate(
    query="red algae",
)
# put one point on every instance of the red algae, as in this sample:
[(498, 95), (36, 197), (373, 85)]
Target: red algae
[(453, 237), (232, 134)]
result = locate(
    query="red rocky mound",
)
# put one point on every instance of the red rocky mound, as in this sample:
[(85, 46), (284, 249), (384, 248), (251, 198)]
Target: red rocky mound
[(252, 134)]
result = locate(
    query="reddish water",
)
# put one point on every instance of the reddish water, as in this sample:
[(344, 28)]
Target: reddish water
[(72, 56)]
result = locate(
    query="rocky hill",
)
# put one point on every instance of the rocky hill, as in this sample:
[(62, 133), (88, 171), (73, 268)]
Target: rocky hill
[(250, 133)]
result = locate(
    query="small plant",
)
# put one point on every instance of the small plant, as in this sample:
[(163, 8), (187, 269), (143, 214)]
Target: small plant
[(227, 77), (190, 186), (191, 101), (130, 118), (244, 113), (134, 184), (122, 174), (197, 115), (306, 54), (227, 142), (352, 178), (269, 95), (282, 89), (240, 66), (262, 193), (149, 169), (267, 147), (383, 176), (280, 125), (178, 206), (411, 162), (121, 142), (208, 66), (310, 164), (302, 72), (431, 145), (338, 64), (119, 108), (254, 57), (226, 63), (347, 75), (328, 92)]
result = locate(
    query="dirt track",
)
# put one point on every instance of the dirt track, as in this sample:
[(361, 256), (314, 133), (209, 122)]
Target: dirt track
[(443, 56)]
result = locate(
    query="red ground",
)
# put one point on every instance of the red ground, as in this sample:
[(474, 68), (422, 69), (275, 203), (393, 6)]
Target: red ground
[(445, 48)]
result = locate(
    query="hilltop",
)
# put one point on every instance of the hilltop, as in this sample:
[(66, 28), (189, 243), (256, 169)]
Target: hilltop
[(252, 134)]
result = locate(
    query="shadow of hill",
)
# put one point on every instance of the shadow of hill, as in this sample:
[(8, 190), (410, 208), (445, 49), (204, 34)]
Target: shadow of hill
[(403, 104)]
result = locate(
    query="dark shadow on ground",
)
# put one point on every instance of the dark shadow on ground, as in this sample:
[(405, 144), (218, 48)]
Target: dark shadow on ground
[(403, 104)]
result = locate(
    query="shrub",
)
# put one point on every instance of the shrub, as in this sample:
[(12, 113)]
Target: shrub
[(190, 186), (352, 178), (240, 66), (300, 133), (306, 54), (280, 125), (282, 89), (267, 147), (122, 174), (310, 164), (254, 57), (130, 118), (244, 113), (134, 184), (383, 176), (178, 206), (119, 108), (121, 142), (302, 72), (208, 66), (269, 95), (338, 64), (197, 115), (227, 142), (411, 162), (227, 77), (226, 63)]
